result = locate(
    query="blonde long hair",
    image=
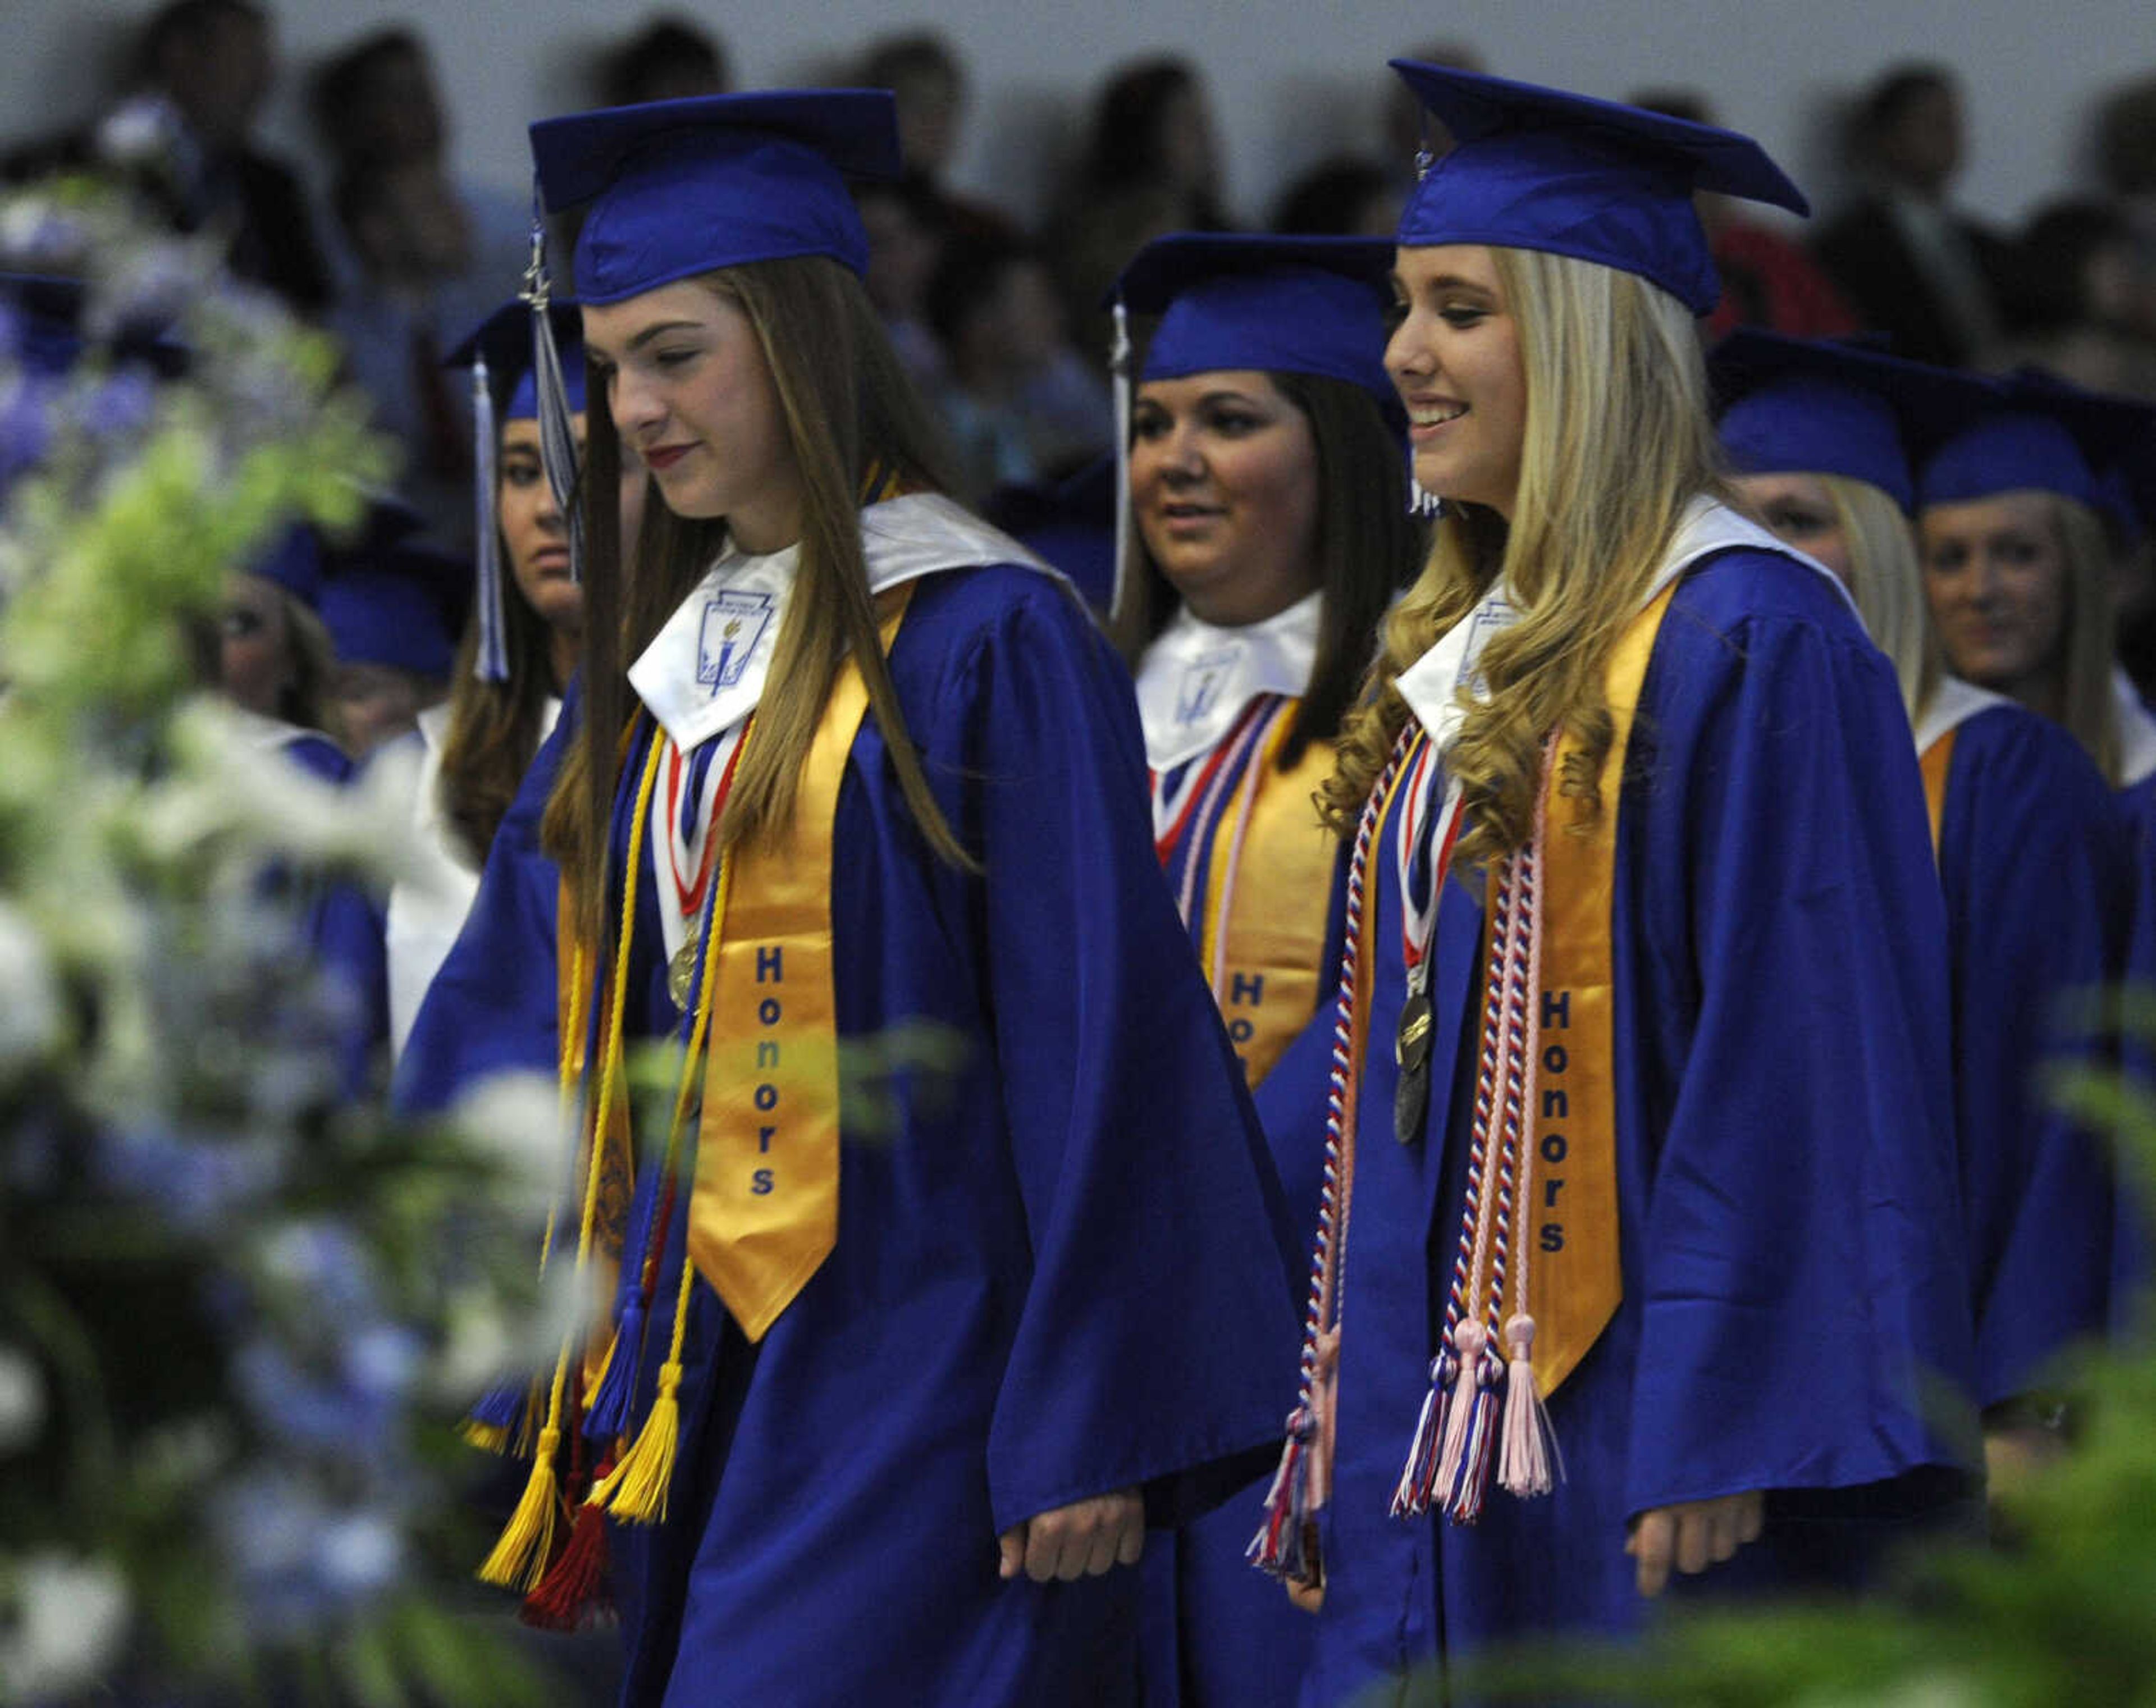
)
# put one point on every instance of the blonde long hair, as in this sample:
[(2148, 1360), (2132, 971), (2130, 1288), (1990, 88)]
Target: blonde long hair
[(1618, 443), (2091, 713), (849, 410), (1888, 585)]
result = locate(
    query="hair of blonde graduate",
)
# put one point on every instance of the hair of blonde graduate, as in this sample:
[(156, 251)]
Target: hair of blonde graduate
[(1617, 443), (2090, 713), (849, 413), (305, 699), (1888, 586)]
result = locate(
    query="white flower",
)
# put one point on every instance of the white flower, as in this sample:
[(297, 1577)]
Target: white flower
[(65, 1625), (515, 1122), (231, 785), (22, 1400), (140, 131), (29, 999)]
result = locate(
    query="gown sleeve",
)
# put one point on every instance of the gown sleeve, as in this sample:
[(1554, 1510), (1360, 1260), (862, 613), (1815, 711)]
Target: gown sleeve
[(1156, 1336), (492, 1007), (2031, 861), (1803, 1291)]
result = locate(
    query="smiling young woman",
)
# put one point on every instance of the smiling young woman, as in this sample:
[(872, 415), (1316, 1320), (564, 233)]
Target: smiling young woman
[(2016, 564), (853, 816), (1607, 1117)]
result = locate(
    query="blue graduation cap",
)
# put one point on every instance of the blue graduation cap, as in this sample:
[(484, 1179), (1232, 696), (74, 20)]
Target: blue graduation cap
[(503, 342), (2039, 434), (388, 614), (1798, 406), (294, 561), (1536, 168), (680, 187), (1283, 305)]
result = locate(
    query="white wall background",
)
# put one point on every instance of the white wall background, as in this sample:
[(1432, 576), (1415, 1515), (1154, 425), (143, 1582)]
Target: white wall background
[(1292, 79)]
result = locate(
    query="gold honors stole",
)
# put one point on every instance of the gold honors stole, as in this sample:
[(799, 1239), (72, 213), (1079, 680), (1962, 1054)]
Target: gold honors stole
[(1272, 878), (763, 1209), (1937, 764), (1570, 1219)]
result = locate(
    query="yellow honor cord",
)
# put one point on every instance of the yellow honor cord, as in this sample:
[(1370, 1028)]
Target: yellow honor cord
[(519, 1559), (635, 1489)]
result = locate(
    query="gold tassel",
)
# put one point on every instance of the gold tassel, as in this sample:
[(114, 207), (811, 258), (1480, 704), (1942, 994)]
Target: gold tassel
[(636, 1491), (488, 1437), (519, 1559)]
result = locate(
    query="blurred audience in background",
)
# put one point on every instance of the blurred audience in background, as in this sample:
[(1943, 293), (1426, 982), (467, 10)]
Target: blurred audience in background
[(1767, 279), (1151, 165), (1345, 196), (1908, 261), (1019, 405), (671, 58), (927, 84), (426, 258), (907, 223), (998, 311), (181, 129)]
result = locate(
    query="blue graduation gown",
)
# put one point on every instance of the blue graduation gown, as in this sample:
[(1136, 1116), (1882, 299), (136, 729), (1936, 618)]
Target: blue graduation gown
[(2130, 1261), (2031, 862), (1219, 1633), (494, 1006), (1789, 1242), (1061, 1267)]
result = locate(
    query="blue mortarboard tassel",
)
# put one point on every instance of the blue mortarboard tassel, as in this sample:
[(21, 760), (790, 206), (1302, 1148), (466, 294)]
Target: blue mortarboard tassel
[(557, 438), (492, 665)]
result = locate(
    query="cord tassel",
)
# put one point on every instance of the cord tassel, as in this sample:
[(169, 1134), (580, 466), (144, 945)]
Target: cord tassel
[(1452, 1456), (635, 1491), (519, 1559), (1419, 1476), (1529, 1462), (1472, 1482), (495, 1423), (608, 1415), (571, 1596), (557, 440)]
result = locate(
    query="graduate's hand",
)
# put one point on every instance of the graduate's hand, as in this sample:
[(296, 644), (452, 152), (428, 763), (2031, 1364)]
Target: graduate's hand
[(1692, 1535), (1082, 1540)]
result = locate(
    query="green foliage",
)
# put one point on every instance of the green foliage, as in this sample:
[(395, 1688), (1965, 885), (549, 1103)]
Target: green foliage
[(238, 1315)]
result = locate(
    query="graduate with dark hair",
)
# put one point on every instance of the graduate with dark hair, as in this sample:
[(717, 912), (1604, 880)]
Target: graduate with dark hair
[(1268, 533), (1640, 1253), (952, 1259)]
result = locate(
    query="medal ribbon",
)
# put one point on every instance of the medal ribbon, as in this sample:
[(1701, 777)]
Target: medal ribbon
[(1238, 816)]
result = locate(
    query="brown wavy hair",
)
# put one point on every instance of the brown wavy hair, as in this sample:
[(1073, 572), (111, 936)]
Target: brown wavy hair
[(1618, 442), (1367, 546), (850, 411)]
